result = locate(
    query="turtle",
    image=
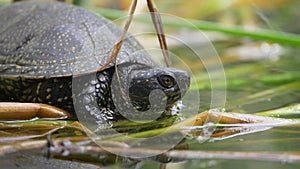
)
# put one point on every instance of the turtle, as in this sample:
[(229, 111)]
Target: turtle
[(50, 51)]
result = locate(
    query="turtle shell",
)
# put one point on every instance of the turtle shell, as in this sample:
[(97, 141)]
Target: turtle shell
[(39, 40)]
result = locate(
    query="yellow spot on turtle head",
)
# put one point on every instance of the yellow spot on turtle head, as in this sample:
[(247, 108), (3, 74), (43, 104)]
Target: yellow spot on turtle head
[(48, 96), (48, 90)]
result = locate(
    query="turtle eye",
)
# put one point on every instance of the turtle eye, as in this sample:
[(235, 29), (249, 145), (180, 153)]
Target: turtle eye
[(166, 81)]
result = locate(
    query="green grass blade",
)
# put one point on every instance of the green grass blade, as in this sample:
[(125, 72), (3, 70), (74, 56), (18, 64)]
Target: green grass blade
[(292, 111)]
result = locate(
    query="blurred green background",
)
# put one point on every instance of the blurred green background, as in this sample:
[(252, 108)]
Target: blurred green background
[(257, 43)]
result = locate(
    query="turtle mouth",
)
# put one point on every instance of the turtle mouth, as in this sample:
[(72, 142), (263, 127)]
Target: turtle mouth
[(174, 96), (142, 103)]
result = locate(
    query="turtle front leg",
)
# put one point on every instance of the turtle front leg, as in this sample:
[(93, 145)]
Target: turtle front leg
[(92, 100), (27, 111)]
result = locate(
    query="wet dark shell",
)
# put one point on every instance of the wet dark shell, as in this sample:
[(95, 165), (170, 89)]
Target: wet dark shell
[(55, 39)]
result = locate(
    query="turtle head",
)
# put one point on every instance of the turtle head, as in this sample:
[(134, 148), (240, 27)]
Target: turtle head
[(172, 82)]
